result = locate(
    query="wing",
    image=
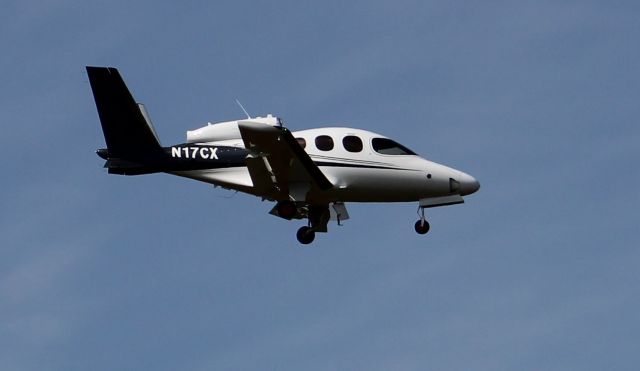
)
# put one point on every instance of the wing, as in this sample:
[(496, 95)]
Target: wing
[(278, 165)]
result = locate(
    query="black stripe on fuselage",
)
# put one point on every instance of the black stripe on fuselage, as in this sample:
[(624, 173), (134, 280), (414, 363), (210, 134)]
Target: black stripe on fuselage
[(359, 166), (348, 160)]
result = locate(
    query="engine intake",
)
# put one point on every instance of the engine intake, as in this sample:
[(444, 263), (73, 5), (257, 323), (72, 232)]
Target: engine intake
[(226, 130)]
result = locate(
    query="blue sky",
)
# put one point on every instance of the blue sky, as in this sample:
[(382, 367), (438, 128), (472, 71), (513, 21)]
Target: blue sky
[(537, 271)]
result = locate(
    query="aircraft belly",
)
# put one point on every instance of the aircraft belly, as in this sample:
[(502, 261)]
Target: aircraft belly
[(377, 185), (236, 178)]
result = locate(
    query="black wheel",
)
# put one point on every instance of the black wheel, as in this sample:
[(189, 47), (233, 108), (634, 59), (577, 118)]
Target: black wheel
[(305, 235), (422, 227), (287, 209)]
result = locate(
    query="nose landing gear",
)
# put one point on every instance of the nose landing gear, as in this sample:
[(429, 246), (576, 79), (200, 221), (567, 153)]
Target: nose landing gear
[(422, 225)]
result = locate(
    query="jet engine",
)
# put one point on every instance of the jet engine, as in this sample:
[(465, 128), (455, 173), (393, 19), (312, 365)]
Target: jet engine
[(227, 130)]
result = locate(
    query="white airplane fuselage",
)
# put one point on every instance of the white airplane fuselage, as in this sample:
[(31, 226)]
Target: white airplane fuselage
[(363, 176)]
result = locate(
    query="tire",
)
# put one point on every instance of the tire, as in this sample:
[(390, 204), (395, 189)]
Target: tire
[(422, 228), (305, 235), (287, 209)]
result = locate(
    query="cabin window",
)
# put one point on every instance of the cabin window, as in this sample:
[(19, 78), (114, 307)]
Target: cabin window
[(387, 146), (302, 142), (352, 143), (324, 143)]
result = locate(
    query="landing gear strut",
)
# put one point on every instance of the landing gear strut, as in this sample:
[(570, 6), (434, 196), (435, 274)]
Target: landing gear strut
[(318, 216), (305, 235), (422, 225)]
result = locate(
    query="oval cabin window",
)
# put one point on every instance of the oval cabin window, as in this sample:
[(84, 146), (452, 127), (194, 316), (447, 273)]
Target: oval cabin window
[(302, 142), (352, 143), (324, 143)]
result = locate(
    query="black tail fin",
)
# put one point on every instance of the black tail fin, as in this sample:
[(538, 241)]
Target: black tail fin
[(126, 127)]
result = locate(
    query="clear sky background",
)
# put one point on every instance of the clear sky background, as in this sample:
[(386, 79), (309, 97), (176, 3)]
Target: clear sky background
[(538, 271)]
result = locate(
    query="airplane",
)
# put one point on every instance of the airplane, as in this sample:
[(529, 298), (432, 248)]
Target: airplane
[(309, 174)]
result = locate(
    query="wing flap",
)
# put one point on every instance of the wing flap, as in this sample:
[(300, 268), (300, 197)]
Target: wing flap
[(261, 174)]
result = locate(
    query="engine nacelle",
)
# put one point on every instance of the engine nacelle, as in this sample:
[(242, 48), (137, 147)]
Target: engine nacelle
[(226, 130)]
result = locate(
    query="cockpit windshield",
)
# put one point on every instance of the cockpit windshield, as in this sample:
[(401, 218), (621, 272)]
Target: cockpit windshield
[(387, 146)]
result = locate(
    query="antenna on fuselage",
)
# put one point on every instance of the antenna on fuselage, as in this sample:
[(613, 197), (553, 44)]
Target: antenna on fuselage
[(243, 110)]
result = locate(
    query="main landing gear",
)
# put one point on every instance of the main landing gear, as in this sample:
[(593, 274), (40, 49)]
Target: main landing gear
[(422, 225), (318, 216), (305, 235)]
